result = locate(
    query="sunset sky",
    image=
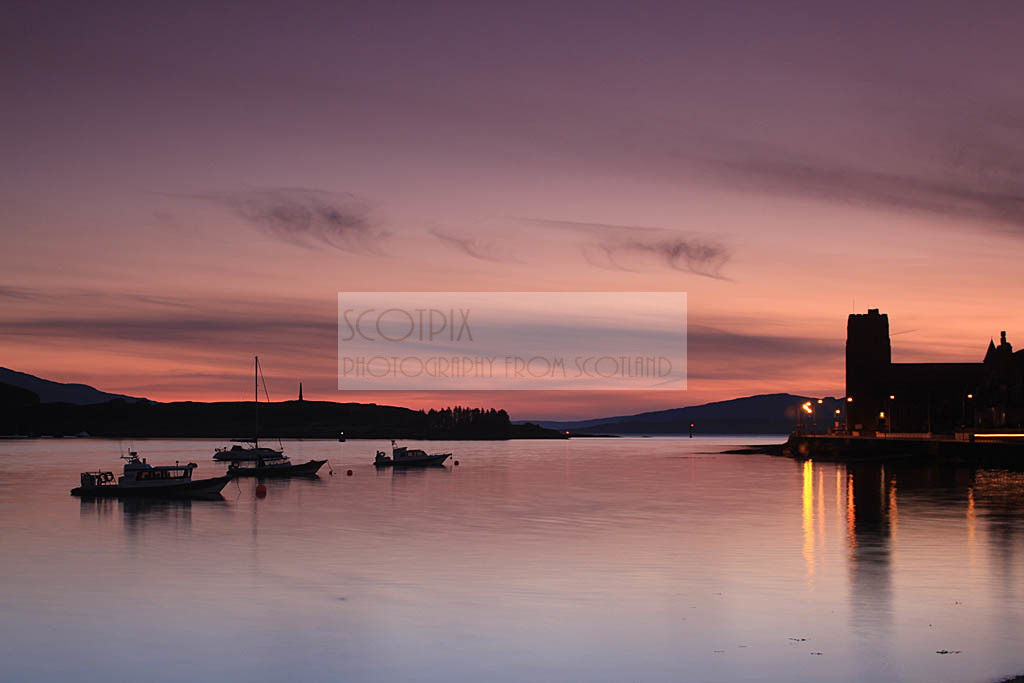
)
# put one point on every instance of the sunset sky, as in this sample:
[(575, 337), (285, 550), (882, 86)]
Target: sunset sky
[(186, 185)]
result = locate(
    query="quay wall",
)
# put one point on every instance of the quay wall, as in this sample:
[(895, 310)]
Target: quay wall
[(1008, 454)]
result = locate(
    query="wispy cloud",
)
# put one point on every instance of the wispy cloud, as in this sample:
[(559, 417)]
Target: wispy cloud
[(717, 354), (963, 195), (472, 247), (305, 217), (957, 154), (624, 247), (19, 293)]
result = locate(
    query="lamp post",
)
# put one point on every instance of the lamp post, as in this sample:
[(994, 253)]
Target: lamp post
[(889, 423), (970, 397), (967, 398)]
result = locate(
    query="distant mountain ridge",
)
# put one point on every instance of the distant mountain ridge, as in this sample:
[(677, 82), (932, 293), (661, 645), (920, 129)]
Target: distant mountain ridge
[(57, 392), (32, 406), (761, 414)]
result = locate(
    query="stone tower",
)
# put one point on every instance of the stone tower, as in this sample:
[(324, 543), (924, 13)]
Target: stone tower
[(868, 361)]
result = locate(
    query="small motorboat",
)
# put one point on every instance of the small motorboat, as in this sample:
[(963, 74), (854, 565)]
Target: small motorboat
[(142, 479), (279, 466), (409, 457)]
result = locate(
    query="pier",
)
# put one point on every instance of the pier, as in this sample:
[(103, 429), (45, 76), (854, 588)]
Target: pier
[(988, 449)]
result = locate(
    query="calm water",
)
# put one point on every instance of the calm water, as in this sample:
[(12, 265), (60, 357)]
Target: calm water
[(595, 560)]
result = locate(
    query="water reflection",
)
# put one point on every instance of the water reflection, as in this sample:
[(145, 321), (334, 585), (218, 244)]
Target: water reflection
[(998, 495), (808, 517), (137, 509), (869, 508), (595, 560), (141, 516), (870, 497), (878, 495)]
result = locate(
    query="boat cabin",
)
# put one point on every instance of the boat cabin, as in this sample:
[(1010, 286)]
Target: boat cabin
[(400, 452)]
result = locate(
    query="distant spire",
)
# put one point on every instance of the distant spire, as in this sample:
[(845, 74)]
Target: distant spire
[(300, 391)]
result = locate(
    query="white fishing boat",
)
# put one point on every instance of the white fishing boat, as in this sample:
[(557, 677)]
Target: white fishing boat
[(402, 456), (142, 479)]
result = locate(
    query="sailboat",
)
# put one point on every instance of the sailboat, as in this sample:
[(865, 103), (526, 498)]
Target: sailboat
[(258, 461), (252, 451)]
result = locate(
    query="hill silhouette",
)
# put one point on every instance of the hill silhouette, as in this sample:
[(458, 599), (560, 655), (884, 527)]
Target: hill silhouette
[(288, 419), (35, 406), (761, 414), (57, 392)]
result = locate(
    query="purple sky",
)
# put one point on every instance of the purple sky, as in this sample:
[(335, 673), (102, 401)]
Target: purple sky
[(186, 185)]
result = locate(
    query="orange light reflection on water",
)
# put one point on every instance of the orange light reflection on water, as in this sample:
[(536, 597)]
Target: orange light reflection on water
[(808, 516), (851, 514)]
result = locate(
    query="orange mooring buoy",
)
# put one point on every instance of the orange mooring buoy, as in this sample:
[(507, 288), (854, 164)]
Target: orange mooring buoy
[(261, 491), (349, 473)]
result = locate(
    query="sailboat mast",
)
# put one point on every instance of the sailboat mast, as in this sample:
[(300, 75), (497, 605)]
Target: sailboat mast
[(256, 395)]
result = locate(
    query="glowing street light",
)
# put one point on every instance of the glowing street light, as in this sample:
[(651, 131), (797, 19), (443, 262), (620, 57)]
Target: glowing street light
[(967, 413)]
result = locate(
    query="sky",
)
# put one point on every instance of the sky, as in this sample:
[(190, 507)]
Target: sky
[(186, 185)]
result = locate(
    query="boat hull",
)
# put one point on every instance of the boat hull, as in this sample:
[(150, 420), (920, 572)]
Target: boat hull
[(306, 469), (189, 489), (402, 463)]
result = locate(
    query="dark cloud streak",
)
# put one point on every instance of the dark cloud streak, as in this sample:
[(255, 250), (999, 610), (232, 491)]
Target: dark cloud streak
[(957, 195), (471, 247), (608, 245), (305, 218), (20, 293), (719, 354)]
